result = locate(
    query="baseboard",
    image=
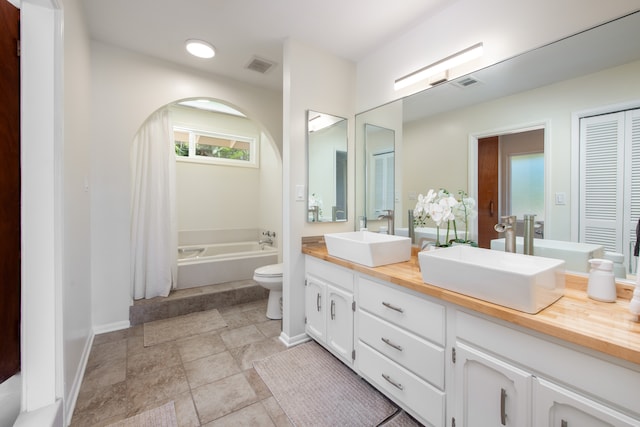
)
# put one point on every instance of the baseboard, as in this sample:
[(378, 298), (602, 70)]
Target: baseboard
[(47, 416), (293, 341), (70, 401), (110, 327)]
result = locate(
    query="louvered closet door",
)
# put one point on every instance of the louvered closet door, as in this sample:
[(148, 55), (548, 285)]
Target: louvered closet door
[(602, 179), (632, 180)]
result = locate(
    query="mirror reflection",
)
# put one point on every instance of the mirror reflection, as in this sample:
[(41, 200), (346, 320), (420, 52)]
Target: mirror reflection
[(327, 167), (380, 170), (551, 91)]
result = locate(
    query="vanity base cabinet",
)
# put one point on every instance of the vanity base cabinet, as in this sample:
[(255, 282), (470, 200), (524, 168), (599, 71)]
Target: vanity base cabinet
[(555, 406), (400, 347), (329, 308), (419, 398), (490, 392)]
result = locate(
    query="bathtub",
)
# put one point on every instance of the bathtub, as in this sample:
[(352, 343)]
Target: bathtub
[(211, 264)]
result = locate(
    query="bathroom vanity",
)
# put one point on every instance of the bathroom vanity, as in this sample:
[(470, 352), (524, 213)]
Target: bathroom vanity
[(453, 360)]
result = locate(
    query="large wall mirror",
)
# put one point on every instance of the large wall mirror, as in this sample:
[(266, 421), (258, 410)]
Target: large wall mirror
[(379, 152), (547, 91), (327, 167)]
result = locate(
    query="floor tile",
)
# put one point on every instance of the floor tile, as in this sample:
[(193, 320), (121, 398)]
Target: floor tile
[(210, 368), (174, 328), (253, 415), (246, 355), (215, 400), (198, 346), (155, 388), (257, 384), (94, 407), (241, 336), (276, 413), (153, 358), (270, 328)]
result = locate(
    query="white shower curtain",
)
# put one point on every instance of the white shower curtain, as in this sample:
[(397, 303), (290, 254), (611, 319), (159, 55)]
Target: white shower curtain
[(153, 220)]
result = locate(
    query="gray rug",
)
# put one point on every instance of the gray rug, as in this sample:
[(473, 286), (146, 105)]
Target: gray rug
[(316, 389), (163, 416)]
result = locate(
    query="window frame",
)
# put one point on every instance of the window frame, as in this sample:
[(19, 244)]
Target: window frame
[(253, 161)]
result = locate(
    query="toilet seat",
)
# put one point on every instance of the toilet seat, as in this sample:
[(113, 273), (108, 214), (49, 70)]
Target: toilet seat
[(269, 271)]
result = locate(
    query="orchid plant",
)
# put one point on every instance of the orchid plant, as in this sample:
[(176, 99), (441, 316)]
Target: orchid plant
[(442, 207)]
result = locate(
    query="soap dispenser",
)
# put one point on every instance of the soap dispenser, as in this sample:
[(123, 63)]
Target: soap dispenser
[(602, 282)]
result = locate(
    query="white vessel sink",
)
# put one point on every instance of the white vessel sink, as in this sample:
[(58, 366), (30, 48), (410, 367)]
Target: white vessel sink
[(367, 248), (522, 282), (576, 255)]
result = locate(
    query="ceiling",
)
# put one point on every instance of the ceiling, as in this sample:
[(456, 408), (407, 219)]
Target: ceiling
[(243, 29)]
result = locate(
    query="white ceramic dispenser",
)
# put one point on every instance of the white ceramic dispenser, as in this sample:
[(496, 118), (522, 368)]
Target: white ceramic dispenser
[(602, 282)]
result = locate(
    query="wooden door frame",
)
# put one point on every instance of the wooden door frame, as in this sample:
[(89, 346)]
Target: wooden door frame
[(472, 163)]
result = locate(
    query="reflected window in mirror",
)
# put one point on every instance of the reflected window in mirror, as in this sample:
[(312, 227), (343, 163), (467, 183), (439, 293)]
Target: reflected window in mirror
[(327, 159), (379, 170)]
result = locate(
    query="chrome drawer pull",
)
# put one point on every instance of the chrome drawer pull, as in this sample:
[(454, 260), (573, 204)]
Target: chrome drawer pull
[(388, 342), (333, 310), (392, 307), (318, 303), (392, 382), (503, 404)]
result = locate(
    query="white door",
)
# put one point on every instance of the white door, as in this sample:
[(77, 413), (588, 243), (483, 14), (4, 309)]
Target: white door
[(559, 407), (315, 300), (340, 322), (490, 392)]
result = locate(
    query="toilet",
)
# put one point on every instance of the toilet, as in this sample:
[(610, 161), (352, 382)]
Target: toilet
[(270, 277)]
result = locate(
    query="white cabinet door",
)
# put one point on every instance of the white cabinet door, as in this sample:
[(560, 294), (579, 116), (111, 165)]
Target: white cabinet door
[(558, 407), (340, 322), (315, 301), (489, 391)]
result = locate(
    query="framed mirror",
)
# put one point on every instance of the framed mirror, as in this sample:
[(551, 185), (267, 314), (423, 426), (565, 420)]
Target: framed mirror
[(327, 167), (379, 152)]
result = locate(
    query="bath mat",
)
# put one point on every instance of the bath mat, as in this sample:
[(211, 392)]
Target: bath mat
[(170, 329), (401, 419), (163, 416), (315, 389)]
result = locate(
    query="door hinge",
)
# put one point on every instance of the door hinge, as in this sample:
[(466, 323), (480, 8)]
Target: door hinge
[(305, 320), (453, 421), (353, 306), (305, 282), (453, 355), (353, 354)]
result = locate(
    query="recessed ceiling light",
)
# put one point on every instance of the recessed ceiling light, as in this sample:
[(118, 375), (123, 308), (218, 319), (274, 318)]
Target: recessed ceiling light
[(200, 48)]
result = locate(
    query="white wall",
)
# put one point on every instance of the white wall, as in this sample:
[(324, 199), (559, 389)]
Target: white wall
[(76, 277), (313, 80), (505, 27), (126, 89), (215, 196), (446, 135)]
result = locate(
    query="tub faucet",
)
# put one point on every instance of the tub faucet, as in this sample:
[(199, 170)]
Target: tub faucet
[(389, 217), (508, 227), (268, 240)]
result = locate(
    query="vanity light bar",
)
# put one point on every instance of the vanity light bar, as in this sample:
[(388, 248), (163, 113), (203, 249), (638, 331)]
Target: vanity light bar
[(443, 65)]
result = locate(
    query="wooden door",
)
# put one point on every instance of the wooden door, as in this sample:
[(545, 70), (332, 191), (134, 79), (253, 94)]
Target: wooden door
[(10, 191), (488, 157)]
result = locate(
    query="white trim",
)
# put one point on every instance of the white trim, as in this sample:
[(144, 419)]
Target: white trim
[(70, 403), (575, 150), (293, 341), (111, 327), (473, 163)]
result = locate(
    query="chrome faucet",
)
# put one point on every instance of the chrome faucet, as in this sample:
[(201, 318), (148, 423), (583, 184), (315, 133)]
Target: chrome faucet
[(315, 213), (389, 218), (508, 227), (268, 240), (412, 227), (529, 233)]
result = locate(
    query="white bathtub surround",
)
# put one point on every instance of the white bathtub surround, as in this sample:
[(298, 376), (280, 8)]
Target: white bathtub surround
[(211, 264), (153, 218)]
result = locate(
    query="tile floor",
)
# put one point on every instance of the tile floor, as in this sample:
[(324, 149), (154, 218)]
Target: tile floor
[(209, 376)]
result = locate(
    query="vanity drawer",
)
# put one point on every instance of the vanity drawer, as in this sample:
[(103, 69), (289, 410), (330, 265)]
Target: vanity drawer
[(406, 389), (404, 309), (416, 354), (335, 274)]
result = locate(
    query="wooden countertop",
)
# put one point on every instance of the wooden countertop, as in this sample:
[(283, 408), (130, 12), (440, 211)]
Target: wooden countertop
[(606, 327)]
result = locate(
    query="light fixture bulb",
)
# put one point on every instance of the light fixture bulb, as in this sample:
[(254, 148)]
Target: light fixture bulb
[(200, 48)]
